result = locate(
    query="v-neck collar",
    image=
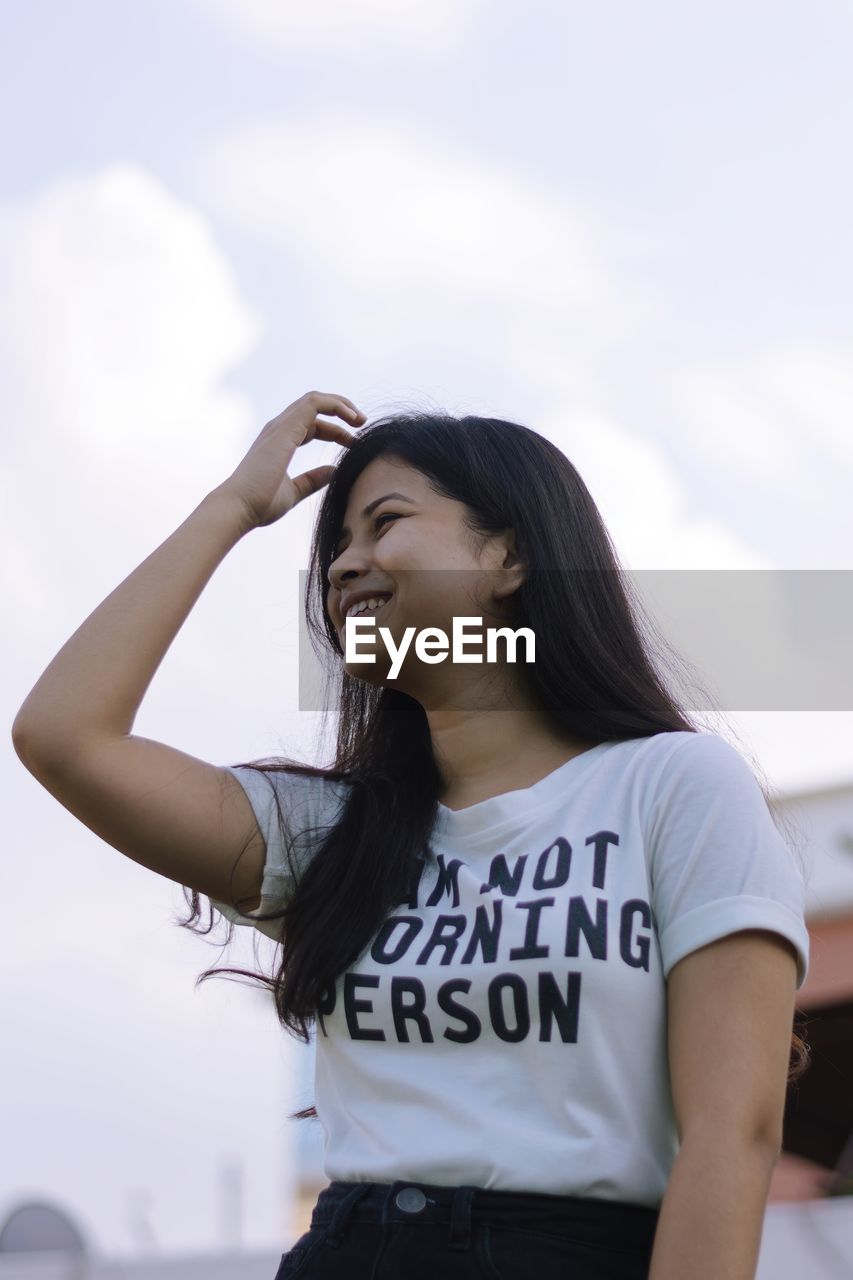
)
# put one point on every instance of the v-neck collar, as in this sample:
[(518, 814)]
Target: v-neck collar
[(488, 816)]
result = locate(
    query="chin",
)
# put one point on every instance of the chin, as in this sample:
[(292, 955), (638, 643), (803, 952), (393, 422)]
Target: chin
[(379, 680)]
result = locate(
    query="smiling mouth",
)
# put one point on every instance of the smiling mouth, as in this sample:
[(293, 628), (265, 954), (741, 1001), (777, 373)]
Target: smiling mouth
[(368, 613)]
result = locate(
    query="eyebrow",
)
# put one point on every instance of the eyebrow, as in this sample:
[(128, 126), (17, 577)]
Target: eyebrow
[(371, 506)]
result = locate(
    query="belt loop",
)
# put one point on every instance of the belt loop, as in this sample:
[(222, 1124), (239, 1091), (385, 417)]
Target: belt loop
[(387, 1199), (460, 1218), (339, 1217)]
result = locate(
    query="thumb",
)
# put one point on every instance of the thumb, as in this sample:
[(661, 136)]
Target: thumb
[(310, 481)]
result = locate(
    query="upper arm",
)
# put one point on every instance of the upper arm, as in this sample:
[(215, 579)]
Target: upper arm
[(730, 1012), (169, 811)]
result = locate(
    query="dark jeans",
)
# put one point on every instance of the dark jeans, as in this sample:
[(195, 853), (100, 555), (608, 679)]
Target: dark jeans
[(419, 1231)]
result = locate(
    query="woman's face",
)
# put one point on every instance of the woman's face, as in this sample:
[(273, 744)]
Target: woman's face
[(412, 547)]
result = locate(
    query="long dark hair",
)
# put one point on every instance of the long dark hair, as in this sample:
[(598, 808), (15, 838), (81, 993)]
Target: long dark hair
[(593, 677)]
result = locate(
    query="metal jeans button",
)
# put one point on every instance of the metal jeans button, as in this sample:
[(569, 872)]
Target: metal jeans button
[(411, 1199)]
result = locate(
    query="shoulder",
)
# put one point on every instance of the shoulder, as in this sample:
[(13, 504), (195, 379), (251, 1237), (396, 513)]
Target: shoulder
[(662, 761), (683, 777), (299, 793), (685, 747), (291, 775), (670, 759), (704, 758)]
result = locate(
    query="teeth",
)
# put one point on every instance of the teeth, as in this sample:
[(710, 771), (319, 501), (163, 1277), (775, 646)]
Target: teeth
[(362, 606)]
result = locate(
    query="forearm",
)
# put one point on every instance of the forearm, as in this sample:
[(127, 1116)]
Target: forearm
[(712, 1214), (97, 680)]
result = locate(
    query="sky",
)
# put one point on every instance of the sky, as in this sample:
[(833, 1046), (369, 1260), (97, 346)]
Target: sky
[(625, 226)]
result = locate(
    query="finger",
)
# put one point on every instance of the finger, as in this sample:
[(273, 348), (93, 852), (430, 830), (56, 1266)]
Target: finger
[(340, 405), (310, 481), (351, 410), (324, 430)]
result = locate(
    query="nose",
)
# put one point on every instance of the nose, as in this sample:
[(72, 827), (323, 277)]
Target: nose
[(350, 564)]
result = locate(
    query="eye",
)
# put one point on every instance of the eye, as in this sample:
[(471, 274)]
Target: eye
[(388, 515), (377, 520)]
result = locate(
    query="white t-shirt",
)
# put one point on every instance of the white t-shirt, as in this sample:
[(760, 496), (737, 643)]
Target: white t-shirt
[(509, 1030)]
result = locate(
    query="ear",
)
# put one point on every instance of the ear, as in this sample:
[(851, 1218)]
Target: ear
[(512, 571)]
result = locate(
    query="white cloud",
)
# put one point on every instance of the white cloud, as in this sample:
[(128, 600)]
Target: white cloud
[(773, 416), (733, 432), (812, 386), (407, 238), (359, 29), (771, 435), (642, 499), (120, 318)]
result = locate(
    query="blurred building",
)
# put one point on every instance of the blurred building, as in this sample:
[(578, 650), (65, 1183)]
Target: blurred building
[(42, 1240), (818, 1135)]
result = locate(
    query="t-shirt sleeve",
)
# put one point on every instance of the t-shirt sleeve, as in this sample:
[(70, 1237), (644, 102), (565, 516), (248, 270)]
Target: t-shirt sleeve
[(718, 863), (309, 806)]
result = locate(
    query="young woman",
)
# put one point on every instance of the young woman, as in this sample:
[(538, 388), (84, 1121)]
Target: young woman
[(545, 929)]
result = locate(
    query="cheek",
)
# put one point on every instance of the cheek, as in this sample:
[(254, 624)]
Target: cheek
[(436, 577), (435, 597), (430, 546)]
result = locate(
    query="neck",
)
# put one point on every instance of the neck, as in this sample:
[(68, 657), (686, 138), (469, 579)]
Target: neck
[(484, 752)]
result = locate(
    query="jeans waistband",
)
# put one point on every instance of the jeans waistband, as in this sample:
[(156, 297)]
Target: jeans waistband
[(584, 1218)]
